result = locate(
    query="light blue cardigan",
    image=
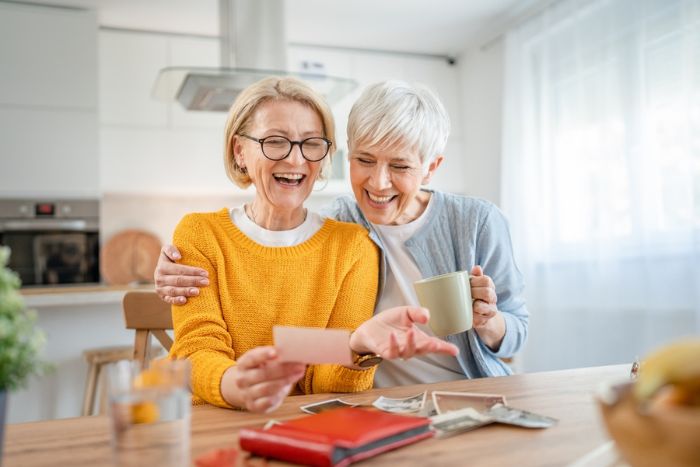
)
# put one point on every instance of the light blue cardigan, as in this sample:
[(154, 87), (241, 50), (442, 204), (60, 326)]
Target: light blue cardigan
[(461, 232)]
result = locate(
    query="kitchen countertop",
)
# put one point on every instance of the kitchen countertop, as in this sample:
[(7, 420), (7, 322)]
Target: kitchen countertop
[(78, 294)]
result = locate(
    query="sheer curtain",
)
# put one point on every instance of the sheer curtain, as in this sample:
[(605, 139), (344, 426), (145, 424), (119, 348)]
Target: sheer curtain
[(601, 177)]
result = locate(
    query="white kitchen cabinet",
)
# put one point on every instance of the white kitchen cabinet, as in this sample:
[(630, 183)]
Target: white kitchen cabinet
[(321, 61), (48, 102), (128, 66), (48, 57), (48, 153), (149, 146), (370, 67)]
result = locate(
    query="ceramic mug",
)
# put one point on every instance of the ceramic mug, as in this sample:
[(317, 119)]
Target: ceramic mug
[(449, 299)]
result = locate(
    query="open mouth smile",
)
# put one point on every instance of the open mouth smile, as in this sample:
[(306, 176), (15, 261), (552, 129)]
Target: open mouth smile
[(289, 179), (380, 200)]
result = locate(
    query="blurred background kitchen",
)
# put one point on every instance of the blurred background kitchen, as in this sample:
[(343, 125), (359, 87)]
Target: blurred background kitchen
[(580, 119)]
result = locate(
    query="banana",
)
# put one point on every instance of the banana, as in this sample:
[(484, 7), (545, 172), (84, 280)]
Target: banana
[(677, 364)]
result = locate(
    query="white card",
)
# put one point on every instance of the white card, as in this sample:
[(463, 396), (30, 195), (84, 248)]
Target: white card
[(312, 345)]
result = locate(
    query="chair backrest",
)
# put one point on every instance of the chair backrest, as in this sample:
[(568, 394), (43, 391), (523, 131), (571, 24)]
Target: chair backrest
[(147, 314)]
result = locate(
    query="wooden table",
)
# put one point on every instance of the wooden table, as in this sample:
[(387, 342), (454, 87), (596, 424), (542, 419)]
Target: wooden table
[(566, 395)]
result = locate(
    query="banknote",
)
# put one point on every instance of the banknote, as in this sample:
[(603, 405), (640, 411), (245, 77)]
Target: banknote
[(428, 409), (448, 401), (406, 405), (458, 421), (512, 416)]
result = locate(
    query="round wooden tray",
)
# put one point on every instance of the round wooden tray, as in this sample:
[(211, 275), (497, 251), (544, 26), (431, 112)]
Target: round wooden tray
[(129, 256)]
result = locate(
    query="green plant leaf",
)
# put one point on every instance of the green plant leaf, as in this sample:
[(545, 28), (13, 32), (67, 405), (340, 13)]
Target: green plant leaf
[(21, 341)]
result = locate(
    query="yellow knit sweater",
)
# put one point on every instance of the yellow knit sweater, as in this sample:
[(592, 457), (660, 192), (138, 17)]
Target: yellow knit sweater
[(328, 281)]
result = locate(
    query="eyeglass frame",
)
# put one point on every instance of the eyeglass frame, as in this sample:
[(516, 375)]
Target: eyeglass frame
[(291, 146)]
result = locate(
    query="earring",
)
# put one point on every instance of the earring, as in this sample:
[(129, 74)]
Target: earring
[(241, 167)]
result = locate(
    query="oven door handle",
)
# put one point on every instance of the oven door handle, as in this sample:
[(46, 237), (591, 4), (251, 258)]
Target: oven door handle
[(44, 224)]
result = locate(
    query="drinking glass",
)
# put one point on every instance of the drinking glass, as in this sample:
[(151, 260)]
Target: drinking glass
[(150, 413)]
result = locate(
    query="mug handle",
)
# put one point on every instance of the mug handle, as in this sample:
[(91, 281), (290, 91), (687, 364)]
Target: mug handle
[(467, 281)]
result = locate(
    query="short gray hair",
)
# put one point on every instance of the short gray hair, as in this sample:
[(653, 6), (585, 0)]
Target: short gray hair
[(396, 113)]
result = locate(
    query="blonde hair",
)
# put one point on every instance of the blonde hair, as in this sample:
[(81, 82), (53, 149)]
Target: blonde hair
[(272, 89), (397, 114)]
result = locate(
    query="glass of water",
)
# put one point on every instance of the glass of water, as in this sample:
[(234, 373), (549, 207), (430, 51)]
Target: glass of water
[(150, 413)]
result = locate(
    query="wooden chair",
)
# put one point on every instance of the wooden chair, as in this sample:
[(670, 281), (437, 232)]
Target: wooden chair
[(96, 360), (148, 315)]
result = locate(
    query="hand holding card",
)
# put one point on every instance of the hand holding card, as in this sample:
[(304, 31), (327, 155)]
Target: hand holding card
[(259, 382)]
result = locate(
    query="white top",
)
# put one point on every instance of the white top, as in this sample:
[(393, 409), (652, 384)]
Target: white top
[(402, 272), (295, 236)]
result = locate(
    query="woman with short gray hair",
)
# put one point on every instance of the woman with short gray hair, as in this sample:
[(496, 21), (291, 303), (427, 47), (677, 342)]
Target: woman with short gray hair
[(397, 134)]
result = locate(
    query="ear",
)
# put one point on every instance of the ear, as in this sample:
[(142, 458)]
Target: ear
[(432, 167), (237, 146)]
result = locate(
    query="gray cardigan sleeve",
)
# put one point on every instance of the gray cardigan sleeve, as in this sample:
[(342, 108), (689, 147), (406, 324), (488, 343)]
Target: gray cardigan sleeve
[(494, 252)]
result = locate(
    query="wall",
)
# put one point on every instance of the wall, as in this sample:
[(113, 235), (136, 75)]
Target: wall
[(480, 83)]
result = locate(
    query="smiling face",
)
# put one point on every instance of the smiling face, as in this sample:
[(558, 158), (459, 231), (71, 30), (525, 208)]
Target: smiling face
[(281, 186), (386, 182)]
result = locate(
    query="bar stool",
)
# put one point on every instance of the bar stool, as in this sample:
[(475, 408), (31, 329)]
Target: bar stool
[(96, 359)]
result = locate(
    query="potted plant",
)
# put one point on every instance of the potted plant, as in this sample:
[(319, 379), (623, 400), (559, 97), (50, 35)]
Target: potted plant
[(20, 340)]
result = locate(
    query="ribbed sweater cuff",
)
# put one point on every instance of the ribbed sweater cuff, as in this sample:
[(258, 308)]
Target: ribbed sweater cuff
[(206, 379), (510, 343)]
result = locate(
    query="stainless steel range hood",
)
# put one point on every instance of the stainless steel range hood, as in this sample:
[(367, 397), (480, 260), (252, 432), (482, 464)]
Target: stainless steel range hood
[(253, 38)]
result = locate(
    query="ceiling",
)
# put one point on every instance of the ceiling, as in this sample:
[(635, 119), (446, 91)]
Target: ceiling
[(427, 26)]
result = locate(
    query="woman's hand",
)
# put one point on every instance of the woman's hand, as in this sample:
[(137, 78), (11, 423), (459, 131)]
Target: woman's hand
[(487, 320), (175, 282), (393, 333), (258, 382)]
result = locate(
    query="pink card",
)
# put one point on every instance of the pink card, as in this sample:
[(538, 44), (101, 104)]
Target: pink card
[(312, 345)]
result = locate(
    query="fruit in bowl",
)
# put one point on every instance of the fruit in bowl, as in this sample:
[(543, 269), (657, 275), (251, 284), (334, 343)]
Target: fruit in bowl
[(655, 420)]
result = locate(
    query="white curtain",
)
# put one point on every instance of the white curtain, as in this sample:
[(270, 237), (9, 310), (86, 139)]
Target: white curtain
[(602, 176)]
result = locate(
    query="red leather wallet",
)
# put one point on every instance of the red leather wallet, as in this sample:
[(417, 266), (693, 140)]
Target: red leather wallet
[(335, 437)]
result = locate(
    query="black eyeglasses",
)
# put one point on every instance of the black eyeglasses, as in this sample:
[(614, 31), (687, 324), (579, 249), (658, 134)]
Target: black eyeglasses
[(277, 148)]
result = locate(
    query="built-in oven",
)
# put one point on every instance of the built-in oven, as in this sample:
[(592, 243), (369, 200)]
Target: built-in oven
[(52, 242)]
